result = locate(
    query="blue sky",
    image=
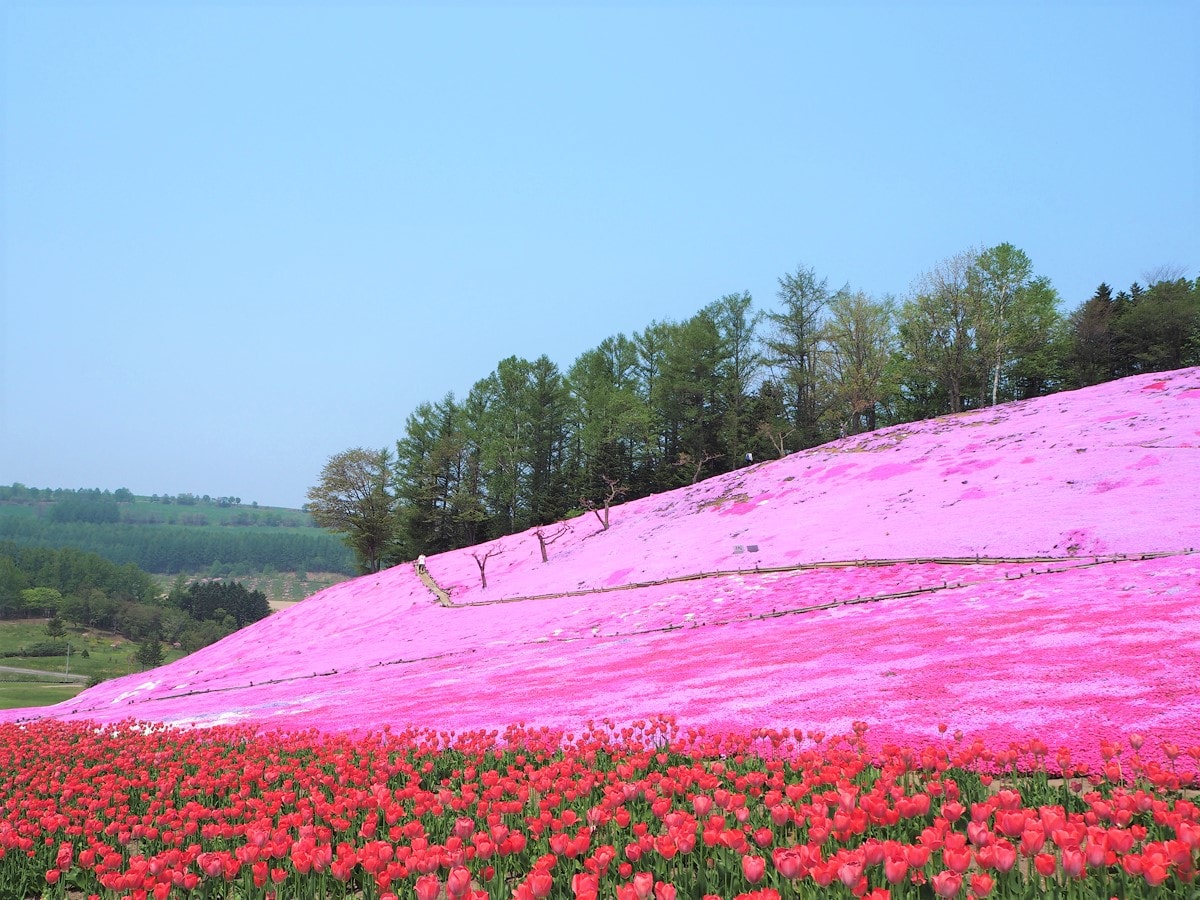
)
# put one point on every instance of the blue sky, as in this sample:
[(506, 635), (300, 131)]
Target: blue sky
[(238, 238)]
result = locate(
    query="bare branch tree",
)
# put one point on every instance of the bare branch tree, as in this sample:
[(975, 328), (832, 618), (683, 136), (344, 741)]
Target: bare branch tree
[(615, 490), (481, 561), (686, 459), (1165, 272), (546, 538)]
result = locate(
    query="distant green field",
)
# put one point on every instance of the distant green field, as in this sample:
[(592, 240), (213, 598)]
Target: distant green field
[(146, 511), (170, 538), (14, 695), (108, 655)]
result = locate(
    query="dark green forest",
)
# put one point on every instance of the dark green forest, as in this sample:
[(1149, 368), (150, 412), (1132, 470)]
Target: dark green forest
[(681, 401), (69, 585), (169, 534)]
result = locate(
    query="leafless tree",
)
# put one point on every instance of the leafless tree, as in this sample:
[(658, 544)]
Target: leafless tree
[(545, 538), (686, 459), (615, 490), (1165, 272), (481, 561), (777, 436)]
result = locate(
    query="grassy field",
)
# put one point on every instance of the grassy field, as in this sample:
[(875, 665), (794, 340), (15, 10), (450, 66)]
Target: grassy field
[(108, 655), (16, 694)]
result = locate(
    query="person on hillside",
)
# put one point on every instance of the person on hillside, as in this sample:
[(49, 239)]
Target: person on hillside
[(421, 564)]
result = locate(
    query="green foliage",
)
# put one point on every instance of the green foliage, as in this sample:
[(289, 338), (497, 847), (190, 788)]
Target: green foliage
[(85, 508), (214, 600), (53, 573), (354, 498), (1139, 330), (39, 648), (980, 329), (91, 592), (855, 372), (41, 601), (793, 349), (149, 653)]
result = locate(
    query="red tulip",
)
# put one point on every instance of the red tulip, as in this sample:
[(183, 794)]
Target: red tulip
[(540, 883), (1032, 839), (916, 855), (1046, 864), (850, 872), (982, 884), (788, 862), (957, 859), (463, 827), (458, 882), (947, 883), (753, 868), (428, 887), (1073, 862), (585, 886), (895, 868), (1006, 856)]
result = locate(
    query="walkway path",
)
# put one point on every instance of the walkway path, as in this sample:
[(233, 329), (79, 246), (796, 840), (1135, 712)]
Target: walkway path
[(443, 596)]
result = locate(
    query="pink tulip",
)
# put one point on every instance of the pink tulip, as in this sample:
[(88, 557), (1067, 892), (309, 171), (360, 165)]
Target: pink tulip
[(753, 868)]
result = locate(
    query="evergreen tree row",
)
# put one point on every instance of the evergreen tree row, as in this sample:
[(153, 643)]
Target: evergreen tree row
[(681, 401)]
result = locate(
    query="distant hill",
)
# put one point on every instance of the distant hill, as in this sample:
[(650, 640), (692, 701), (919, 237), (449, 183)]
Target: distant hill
[(1014, 572), (170, 534)]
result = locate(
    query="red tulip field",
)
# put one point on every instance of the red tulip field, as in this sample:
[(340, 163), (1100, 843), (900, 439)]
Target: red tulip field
[(956, 658)]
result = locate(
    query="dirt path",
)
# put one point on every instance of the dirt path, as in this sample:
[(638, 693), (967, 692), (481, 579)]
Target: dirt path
[(443, 596)]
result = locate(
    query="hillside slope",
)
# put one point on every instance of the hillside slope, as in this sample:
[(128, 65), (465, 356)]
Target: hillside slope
[(1029, 572)]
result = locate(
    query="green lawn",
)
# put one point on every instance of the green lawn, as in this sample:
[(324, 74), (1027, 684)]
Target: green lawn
[(19, 694), (108, 655)]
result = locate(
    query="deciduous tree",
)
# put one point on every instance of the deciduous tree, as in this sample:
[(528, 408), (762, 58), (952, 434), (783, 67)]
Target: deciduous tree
[(859, 340), (940, 360), (354, 498)]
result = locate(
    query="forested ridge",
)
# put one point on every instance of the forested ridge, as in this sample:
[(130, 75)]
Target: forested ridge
[(677, 402), (169, 534)]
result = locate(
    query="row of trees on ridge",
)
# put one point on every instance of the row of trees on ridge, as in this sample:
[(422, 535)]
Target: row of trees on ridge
[(676, 402)]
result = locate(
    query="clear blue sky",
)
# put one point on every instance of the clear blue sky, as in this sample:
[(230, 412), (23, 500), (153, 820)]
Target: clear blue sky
[(239, 238)]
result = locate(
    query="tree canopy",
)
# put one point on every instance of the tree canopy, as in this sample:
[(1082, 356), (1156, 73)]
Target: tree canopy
[(355, 498)]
